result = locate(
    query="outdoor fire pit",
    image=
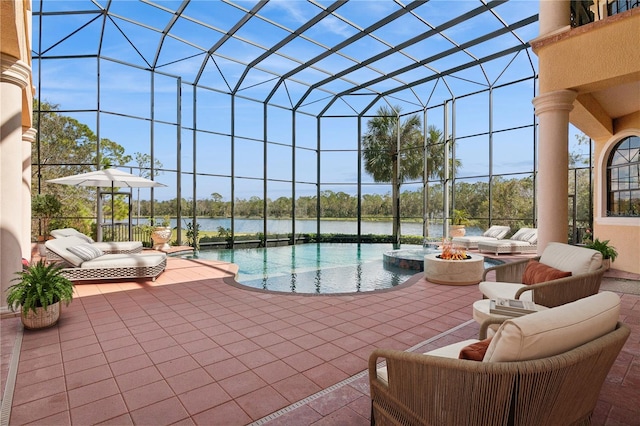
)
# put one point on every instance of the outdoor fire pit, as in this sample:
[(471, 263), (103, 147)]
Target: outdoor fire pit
[(453, 267)]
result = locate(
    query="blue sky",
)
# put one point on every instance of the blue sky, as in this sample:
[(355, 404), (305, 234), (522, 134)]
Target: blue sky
[(125, 90)]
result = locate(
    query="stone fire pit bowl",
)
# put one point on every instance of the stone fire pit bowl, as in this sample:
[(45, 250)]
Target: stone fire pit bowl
[(453, 272)]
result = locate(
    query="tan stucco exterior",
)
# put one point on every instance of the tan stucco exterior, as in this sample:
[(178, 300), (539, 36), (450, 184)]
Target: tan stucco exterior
[(16, 103), (600, 62)]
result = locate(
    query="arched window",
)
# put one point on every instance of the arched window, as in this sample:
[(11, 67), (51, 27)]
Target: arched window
[(623, 178)]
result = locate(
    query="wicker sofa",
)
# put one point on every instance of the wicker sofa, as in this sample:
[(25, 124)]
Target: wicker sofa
[(83, 261), (105, 246), (494, 233), (584, 264), (523, 241), (545, 368)]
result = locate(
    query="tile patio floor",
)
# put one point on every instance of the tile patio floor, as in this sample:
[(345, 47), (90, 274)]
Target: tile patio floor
[(192, 349)]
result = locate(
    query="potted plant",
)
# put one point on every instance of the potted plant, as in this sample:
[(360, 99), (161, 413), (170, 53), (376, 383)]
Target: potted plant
[(45, 207), (459, 220), (38, 293), (161, 234), (609, 253)]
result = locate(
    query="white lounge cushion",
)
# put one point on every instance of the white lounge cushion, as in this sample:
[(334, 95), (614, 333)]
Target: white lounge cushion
[(577, 260), (500, 290), (125, 260), (496, 231), (85, 251), (528, 235), (71, 232), (60, 245), (123, 246), (556, 330)]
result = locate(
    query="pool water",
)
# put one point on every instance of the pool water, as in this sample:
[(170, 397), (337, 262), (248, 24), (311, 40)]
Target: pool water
[(314, 268)]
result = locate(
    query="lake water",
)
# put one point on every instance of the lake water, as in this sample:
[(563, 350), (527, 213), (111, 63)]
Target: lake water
[(281, 226)]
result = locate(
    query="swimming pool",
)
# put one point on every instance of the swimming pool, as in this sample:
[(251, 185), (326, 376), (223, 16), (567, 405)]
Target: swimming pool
[(322, 268)]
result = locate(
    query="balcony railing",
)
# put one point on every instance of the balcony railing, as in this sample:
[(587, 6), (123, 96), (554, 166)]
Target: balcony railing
[(587, 11)]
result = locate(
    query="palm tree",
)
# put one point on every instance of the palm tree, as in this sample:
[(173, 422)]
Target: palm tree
[(392, 151)]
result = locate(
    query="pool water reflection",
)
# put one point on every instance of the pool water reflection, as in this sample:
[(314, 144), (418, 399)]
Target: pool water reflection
[(316, 268)]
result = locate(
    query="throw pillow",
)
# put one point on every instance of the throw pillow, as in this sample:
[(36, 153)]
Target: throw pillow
[(536, 272), (85, 251), (475, 351)]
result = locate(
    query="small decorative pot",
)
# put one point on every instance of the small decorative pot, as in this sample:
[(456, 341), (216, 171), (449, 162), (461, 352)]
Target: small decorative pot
[(41, 318), (161, 237), (457, 231)]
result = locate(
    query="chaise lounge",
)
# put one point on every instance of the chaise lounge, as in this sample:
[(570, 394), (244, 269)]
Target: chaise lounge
[(107, 247), (494, 233), (523, 241), (84, 261), (545, 368), (562, 274)]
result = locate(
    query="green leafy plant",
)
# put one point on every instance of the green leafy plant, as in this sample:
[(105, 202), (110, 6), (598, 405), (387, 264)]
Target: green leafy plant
[(608, 252), (460, 217), (193, 237), (39, 285)]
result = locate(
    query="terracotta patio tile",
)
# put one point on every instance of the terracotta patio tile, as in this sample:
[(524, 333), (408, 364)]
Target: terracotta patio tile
[(333, 401), (167, 354), (295, 387), (117, 343), (227, 368), (227, 414), (128, 365), (164, 412), (303, 361), (211, 356), (123, 420), (228, 338), (242, 384), (189, 380), (284, 349), (157, 344), (241, 347), (39, 375), (199, 345), (343, 416), (88, 376), (74, 334), (33, 391), (328, 351), (98, 411), (177, 366), (92, 392), (325, 375), (275, 371), (190, 336), (147, 394), (39, 409), (40, 351), (350, 363), (40, 362), (124, 353), (138, 378), (61, 419), (261, 402), (118, 333), (257, 358), (201, 399)]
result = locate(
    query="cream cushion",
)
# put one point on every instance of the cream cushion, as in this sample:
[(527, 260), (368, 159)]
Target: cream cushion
[(71, 232), (568, 258), (85, 251), (449, 351), (527, 235), (496, 232), (500, 290), (556, 330), (125, 260), (59, 246), (115, 246)]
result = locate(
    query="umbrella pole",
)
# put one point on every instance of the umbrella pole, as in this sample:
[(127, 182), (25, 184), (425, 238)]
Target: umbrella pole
[(112, 215)]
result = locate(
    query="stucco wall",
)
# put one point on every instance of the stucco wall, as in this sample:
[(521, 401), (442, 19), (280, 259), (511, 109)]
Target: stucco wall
[(623, 232)]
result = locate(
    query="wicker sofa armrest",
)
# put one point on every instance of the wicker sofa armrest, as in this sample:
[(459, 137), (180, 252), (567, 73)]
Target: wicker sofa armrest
[(426, 389), (508, 272)]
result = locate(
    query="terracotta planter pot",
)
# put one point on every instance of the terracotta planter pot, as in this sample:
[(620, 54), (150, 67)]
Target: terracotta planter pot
[(41, 318), (161, 237), (457, 231)]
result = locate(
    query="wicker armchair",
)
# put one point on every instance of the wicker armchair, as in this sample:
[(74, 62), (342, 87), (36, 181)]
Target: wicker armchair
[(585, 264), (432, 390)]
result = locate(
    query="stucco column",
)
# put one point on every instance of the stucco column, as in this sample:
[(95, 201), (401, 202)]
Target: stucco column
[(553, 15), (28, 139), (553, 110), (14, 78)]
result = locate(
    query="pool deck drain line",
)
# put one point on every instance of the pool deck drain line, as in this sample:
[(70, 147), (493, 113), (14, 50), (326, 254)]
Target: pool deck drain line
[(348, 380), (12, 374)]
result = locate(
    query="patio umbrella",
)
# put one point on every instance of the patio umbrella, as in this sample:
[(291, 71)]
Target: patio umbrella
[(112, 178)]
